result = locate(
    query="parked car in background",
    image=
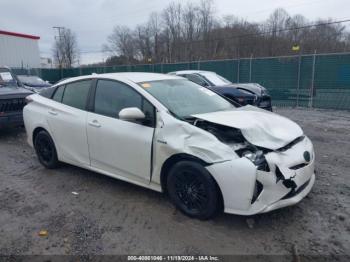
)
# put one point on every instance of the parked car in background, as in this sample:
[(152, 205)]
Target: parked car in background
[(250, 93), (263, 97), (12, 99), (33, 83), (171, 135)]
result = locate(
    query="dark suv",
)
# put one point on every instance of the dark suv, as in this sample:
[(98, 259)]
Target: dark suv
[(12, 99)]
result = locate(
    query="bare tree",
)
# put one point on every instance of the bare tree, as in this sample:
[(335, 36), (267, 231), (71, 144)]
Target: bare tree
[(192, 31), (121, 43), (65, 49), (154, 30), (172, 16)]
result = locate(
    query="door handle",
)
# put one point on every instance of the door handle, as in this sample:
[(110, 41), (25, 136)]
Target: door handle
[(53, 112), (94, 123)]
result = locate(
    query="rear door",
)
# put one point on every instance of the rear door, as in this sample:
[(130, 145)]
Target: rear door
[(120, 147), (67, 120)]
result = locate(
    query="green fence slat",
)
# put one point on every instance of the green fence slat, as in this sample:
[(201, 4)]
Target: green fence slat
[(280, 75)]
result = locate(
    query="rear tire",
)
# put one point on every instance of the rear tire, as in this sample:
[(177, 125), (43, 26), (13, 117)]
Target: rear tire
[(193, 190), (46, 150)]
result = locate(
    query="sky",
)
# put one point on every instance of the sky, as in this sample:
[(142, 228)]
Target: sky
[(93, 20)]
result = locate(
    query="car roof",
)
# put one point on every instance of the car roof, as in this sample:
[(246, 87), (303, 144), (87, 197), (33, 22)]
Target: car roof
[(189, 72), (135, 77)]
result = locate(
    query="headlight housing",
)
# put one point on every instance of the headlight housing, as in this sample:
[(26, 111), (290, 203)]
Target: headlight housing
[(258, 159), (255, 157)]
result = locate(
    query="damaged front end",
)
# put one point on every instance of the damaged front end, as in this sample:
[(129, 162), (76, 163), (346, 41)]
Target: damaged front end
[(264, 174)]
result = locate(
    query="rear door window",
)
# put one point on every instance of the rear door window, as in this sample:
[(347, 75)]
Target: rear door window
[(196, 79), (76, 94)]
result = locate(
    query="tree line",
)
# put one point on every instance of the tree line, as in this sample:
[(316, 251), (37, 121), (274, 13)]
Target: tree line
[(192, 32)]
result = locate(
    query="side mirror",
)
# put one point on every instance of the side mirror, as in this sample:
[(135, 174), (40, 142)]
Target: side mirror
[(131, 114)]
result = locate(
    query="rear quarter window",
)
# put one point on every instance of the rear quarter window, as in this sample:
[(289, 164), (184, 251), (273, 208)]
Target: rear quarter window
[(58, 94), (47, 92)]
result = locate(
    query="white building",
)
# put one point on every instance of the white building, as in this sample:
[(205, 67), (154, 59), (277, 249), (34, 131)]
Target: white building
[(19, 50), (46, 62)]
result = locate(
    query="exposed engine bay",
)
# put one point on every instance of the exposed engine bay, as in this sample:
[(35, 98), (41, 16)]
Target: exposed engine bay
[(233, 137), (225, 134)]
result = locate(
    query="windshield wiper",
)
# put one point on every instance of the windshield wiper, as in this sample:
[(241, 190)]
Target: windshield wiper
[(189, 118)]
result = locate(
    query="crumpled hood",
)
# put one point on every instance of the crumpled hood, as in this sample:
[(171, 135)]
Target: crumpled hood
[(260, 127)]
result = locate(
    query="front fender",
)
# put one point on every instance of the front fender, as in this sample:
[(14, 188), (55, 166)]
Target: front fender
[(236, 179)]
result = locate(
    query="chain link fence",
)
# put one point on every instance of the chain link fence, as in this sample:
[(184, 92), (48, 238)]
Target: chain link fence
[(314, 81)]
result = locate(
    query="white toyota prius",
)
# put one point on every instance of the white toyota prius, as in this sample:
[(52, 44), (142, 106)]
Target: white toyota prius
[(171, 135)]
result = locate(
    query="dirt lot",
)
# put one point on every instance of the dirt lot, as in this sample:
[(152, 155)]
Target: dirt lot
[(112, 217)]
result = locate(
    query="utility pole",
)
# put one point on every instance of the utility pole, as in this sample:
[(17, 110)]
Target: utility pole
[(60, 30), (250, 68)]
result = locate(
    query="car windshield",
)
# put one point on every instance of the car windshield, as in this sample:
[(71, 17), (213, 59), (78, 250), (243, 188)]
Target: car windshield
[(31, 80), (7, 79), (185, 98), (216, 79)]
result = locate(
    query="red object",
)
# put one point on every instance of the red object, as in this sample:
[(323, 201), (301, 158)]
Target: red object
[(19, 35)]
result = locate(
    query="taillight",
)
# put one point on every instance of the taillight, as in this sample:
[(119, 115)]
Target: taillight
[(28, 100)]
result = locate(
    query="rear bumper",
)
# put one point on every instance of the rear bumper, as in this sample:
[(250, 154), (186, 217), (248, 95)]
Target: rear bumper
[(11, 119)]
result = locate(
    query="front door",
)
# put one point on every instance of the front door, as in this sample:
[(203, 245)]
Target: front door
[(120, 147)]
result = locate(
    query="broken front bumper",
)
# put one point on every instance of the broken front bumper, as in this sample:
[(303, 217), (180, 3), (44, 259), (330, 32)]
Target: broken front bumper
[(296, 198), (249, 191)]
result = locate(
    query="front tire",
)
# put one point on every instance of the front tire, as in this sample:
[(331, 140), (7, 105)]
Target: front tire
[(46, 150), (193, 190)]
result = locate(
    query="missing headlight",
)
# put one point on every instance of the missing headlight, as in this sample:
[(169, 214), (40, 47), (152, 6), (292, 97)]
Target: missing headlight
[(258, 159)]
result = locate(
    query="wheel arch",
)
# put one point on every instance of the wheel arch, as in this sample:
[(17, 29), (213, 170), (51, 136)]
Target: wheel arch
[(36, 132), (171, 161)]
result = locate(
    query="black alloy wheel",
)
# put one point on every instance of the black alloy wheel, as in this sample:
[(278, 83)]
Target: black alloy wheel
[(46, 150), (193, 190)]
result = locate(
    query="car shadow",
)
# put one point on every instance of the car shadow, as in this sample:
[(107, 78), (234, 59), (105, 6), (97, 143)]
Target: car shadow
[(124, 189), (11, 132), (116, 186)]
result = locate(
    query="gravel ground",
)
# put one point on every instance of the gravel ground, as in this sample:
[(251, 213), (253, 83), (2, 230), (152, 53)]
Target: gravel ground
[(108, 216)]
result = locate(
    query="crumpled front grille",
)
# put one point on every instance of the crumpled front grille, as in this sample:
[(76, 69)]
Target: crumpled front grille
[(294, 192), (250, 101), (296, 167), (291, 144), (12, 105), (265, 102)]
